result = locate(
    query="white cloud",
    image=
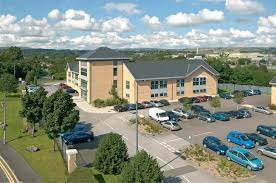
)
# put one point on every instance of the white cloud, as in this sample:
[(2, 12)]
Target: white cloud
[(213, 1), (55, 14), (152, 22), (244, 6), (118, 24), (203, 16), (129, 8), (236, 33), (6, 20), (267, 25)]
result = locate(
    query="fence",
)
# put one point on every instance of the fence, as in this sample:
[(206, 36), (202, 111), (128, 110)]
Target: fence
[(232, 87)]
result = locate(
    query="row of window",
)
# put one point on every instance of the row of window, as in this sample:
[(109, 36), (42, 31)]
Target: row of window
[(199, 91), (199, 81)]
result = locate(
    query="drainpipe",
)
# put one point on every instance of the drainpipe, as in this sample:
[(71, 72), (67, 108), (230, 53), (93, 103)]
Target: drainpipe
[(137, 146)]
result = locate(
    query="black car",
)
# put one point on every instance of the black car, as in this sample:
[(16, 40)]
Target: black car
[(172, 116), (77, 137), (131, 107), (245, 113), (235, 114), (140, 106), (267, 131), (225, 95), (164, 102), (120, 108), (195, 100), (205, 116), (257, 139), (197, 109)]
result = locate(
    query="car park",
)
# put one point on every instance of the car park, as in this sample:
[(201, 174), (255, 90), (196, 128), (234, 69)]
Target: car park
[(172, 116), (164, 102), (245, 113), (171, 125), (263, 110), (205, 116), (244, 158), (221, 116), (156, 103), (215, 144), (147, 104), (267, 131), (120, 108), (158, 115), (267, 151), (225, 95), (235, 114), (183, 114), (240, 139), (257, 139), (77, 137)]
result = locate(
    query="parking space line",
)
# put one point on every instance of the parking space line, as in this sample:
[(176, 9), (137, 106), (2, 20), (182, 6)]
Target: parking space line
[(173, 140), (108, 125), (165, 162), (186, 179), (202, 134)]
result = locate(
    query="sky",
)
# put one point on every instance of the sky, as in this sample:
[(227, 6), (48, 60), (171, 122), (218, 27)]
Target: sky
[(174, 24)]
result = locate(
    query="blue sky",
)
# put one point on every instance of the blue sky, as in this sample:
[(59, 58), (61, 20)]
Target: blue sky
[(79, 24)]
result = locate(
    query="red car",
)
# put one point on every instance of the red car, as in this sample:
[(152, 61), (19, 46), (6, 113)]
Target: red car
[(201, 98), (64, 86)]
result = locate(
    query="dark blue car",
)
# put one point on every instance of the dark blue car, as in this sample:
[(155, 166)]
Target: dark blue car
[(215, 144), (77, 137), (221, 116), (269, 131), (78, 128)]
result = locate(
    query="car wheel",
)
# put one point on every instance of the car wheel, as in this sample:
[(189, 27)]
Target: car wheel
[(204, 145), (249, 167), (228, 140), (257, 143), (229, 159), (218, 153), (244, 146), (260, 152)]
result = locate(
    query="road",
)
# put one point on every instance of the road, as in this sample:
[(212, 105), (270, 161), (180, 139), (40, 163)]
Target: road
[(6, 174)]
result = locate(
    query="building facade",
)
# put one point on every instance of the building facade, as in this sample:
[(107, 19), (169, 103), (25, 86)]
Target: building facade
[(273, 90), (103, 68)]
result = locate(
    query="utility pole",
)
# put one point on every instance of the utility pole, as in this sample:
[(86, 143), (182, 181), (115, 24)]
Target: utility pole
[(14, 69), (137, 146), (4, 119)]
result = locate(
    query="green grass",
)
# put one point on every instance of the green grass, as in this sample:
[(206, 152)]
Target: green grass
[(91, 175), (47, 164)]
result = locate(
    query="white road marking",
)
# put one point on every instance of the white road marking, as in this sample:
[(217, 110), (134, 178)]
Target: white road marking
[(186, 179), (108, 125), (202, 134), (173, 140), (165, 162)]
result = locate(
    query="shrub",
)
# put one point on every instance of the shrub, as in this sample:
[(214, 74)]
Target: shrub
[(82, 175), (272, 107), (111, 154), (151, 126), (142, 168), (198, 153), (59, 76), (99, 103)]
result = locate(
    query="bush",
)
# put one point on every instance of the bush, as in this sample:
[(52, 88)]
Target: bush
[(150, 126), (111, 154), (59, 76), (272, 107), (82, 175), (99, 103), (198, 153), (142, 168)]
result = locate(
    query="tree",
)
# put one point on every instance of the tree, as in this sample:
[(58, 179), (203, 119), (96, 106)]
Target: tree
[(59, 114), (32, 106), (238, 98), (8, 83), (113, 92), (187, 103), (142, 168), (12, 54), (31, 77), (215, 102), (111, 154)]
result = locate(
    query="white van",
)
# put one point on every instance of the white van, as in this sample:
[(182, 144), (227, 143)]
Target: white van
[(158, 114)]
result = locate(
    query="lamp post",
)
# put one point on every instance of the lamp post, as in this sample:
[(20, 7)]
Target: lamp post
[(137, 125), (4, 119)]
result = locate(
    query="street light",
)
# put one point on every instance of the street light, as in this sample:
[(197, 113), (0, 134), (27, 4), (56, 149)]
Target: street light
[(4, 125)]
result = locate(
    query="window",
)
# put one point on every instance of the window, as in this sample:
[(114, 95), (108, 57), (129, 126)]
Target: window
[(199, 85), (115, 83), (115, 71), (180, 83), (84, 71), (195, 91), (180, 86), (202, 81), (195, 81), (127, 85), (202, 90), (84, 84), (127, 88), (159, 88)]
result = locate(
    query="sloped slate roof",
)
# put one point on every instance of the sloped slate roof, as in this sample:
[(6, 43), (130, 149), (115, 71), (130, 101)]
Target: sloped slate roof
[(74, 66), (143, 70), (103, 53), (273, 81)]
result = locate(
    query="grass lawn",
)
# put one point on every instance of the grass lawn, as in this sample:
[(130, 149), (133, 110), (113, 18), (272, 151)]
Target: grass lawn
[(47, 164)]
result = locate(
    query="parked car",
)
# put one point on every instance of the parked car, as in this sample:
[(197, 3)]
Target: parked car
[(215, 144), (244, 158), (245, 113), (263, 110), (246, 93), (32, 88), (257, 139), (120, 108), (257, 92), (78, 128), (172, 116), (225, 95), (268, 151), (205, 116), (197, 109), (171, 125), (77, 137), (235, 114), (131, 107), (164, 102), (63, 86), (147, 104), (158, 115), (201, 98), (195, 100), (267, 131), (221, 116), (240, 139), (71, 90), (181, 113), (156, 103)]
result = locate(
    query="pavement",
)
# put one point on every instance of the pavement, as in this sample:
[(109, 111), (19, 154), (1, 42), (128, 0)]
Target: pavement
[(18, 166)]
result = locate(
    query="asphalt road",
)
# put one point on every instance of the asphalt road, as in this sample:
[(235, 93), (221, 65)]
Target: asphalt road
[(3, 177)]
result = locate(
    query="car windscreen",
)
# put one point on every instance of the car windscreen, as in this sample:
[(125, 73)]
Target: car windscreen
[(250, 156), (244, 138), (271, 149), (162, 114)]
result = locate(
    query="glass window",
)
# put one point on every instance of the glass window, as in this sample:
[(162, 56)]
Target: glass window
[(83, 84), (195, 81), (115, 83), (127, 85), (203, 81), (84, 71), (180, 83), (115, 71)]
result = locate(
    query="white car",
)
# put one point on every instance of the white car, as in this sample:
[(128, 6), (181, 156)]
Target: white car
[(171, 125), (158, 115), (181, 113), (263, 110), (268, 151)]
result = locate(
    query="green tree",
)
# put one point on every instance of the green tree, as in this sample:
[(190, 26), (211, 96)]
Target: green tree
[(32, 106), (12, 54), (31, 77), (8, 83), (142, 168), (238, 98), (111, 154), (215, 102), (113, 92), (59, 114), (187, 103)]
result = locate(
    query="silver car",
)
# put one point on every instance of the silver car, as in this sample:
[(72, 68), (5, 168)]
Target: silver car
[(171, 125), (268, 151), (156, 103), (263, 110), (147, 104), (181, 113)]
